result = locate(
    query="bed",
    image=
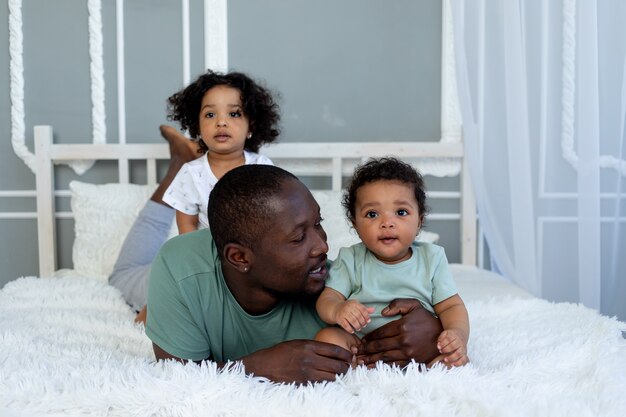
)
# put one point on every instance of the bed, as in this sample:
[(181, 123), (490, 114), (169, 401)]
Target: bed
[(68, 344)]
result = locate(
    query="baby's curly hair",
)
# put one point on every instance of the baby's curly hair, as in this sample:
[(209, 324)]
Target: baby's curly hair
[(257, 102), (387, 168)]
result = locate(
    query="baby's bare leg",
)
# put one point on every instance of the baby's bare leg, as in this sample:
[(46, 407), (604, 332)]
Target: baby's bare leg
[(338, 336), (437, 360)]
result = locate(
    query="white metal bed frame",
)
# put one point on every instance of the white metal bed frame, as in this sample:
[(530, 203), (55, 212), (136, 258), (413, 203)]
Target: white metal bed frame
[(334, 160)]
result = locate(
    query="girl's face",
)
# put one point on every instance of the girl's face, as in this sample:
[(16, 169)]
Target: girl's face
[(224, 127), (387, 219)]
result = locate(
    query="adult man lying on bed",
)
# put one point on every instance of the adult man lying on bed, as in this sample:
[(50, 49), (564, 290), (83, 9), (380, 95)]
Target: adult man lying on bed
[(250, 295)]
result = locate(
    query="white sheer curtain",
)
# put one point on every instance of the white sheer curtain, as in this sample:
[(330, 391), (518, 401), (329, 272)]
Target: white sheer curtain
[(542, 91)]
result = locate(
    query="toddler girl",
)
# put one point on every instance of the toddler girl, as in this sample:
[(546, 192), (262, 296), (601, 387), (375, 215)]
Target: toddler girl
[(230, 116)]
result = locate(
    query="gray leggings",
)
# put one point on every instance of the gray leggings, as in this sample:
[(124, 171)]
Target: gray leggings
[(145, 238)]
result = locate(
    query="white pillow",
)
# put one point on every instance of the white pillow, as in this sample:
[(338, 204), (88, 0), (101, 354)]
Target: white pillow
[(339, 231), (103, 215)]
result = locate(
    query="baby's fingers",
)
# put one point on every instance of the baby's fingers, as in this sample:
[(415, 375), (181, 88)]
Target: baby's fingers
[(462, 360), (453, 356), (352, 322), (446, 343), (345, 324), (362, 314)]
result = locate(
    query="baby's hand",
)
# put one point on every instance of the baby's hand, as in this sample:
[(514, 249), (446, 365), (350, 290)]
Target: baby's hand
[(352, 315), (452, 344)]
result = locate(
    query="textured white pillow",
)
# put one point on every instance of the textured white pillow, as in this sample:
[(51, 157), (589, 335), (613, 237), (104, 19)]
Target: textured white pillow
[(339, 230), (103, 214)]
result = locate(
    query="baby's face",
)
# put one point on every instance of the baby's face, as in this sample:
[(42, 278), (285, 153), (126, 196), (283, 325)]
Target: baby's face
[(387, 219)]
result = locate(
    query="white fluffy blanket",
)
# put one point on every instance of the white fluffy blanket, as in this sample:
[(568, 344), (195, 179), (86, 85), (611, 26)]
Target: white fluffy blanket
[(69, 347)]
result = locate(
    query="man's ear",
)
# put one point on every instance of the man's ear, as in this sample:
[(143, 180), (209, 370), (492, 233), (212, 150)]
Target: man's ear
[(238, 257)]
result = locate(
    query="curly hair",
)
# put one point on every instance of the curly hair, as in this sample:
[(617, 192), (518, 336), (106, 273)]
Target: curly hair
[(390, 169), (257, 102), (242, 202)]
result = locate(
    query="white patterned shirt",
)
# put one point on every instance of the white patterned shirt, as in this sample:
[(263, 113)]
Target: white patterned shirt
[(189, 192)]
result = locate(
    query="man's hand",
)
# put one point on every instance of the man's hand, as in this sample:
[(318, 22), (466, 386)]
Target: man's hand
[(299, 361), (413, 336)]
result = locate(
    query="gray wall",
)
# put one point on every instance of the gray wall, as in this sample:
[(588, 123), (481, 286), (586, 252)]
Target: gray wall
[(347, 71)]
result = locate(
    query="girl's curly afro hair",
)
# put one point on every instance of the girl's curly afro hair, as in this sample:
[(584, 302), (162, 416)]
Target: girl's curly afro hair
[(257, 102)]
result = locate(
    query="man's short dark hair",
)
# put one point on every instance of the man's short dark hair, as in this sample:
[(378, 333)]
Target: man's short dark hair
[(240, 204)]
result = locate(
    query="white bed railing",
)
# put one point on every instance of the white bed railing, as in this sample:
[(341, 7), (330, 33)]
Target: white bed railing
[(323, 159)]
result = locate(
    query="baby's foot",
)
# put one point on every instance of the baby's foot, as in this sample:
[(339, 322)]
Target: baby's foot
[(182, 148)]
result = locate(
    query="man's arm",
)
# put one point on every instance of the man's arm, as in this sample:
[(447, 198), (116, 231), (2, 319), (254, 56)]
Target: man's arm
[(299, 361), (413, 336), (162, 355)]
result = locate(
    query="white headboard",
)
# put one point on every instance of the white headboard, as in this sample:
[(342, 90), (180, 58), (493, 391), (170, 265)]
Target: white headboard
[(331, 160)]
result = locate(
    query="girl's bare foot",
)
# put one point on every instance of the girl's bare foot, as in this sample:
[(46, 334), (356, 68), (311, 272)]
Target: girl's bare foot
[(182, 150), (181, 147)]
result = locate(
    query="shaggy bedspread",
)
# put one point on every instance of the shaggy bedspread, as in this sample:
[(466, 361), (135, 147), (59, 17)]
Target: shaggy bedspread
[(69, 347)]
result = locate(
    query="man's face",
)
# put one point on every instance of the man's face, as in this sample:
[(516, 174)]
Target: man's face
[(291, 256)]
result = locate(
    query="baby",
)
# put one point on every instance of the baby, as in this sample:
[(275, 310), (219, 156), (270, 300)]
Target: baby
[(386, 204)]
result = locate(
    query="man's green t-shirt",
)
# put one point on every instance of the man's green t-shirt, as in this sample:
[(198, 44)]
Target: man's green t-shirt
[(193, 315)]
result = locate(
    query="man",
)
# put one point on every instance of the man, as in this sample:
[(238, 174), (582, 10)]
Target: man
[(247, 293)]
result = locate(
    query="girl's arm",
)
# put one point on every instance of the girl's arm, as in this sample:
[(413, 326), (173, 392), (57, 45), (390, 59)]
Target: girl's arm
[(186, 222), (333, 308), (452, 342)]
